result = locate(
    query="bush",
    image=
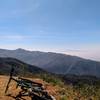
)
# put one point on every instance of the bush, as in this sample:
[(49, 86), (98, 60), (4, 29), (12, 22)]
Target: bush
[(51, 79), (63, 98)]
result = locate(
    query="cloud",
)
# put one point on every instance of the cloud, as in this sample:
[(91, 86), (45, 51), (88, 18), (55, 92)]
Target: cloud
[(14, 37), (88, 52), (73, 50), (11, 37)]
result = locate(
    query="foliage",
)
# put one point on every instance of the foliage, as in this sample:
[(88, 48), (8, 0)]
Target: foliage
[(51, 79), (83, 89)]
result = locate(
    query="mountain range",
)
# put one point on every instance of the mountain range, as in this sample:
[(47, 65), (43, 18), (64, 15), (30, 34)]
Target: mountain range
[(55, 62)]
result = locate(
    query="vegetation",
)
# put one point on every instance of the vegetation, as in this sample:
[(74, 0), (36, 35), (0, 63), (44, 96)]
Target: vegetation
[(53, 79), (63, 88), (79, 88)]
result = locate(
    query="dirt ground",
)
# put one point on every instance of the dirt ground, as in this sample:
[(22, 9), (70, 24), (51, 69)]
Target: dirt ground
[(12, 89)]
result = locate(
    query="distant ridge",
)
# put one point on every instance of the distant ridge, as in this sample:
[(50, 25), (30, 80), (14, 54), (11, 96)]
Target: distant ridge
[(55, 62)]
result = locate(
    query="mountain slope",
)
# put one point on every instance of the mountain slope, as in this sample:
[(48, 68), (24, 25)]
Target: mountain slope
[(20, 68), (55, 62)]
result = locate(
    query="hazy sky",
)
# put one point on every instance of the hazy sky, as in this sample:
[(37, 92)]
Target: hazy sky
[(68, 26)]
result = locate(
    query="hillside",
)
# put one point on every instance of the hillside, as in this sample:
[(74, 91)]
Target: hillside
[(20, 68), (55, 62), (82, 90), (62, 87)]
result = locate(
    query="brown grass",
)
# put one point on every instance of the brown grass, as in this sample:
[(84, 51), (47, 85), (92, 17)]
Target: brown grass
[(52, 90)]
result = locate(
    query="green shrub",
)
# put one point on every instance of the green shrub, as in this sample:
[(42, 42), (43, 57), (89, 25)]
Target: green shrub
[(51, 79), (63, 98)]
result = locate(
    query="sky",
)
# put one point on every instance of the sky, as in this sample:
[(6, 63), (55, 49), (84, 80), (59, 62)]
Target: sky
[(64, 26)]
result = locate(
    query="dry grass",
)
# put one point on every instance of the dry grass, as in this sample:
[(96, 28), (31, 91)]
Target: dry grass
[(12, 90), (60, 92)]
